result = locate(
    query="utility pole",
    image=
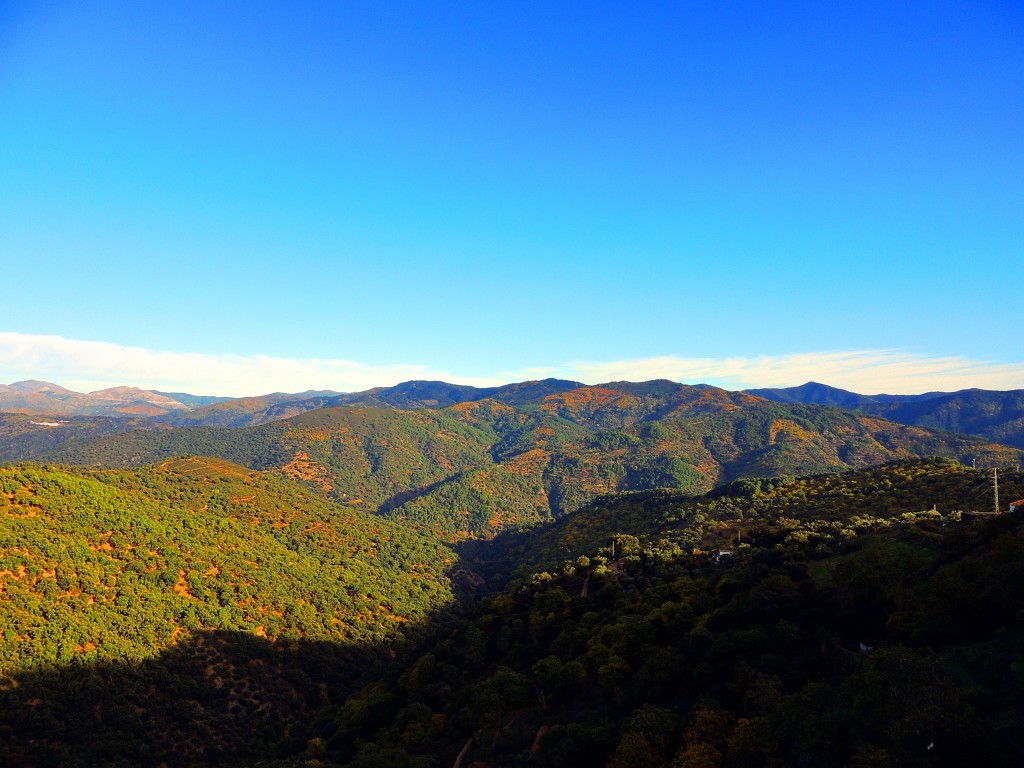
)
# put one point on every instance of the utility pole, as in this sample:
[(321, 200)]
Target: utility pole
[(995, 488)]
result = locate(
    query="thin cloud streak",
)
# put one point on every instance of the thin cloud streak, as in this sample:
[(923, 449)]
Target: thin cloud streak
[(863, 371), (85, 365), (91, 365)]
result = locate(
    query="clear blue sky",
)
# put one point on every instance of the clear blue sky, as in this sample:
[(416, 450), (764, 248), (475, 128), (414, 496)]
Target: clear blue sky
[(489, 187)]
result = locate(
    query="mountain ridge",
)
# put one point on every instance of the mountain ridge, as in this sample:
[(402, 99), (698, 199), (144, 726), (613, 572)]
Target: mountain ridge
[(993, 414), (45, 398), (475, 468)]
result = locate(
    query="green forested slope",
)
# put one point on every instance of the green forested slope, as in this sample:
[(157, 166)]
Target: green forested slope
[(354, 454), (553, 458), (126, 560), (105, 573), (993, 415), (475, 468), (26, 436), (197, 613), (843, 632)]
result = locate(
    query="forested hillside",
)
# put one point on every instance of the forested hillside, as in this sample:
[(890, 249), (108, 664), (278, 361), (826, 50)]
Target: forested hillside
[(195, 605), (996, 416), (858, 622), (197, 613), (359, 455), (993, 415), (26, 437), (479, 467), (556, 456)]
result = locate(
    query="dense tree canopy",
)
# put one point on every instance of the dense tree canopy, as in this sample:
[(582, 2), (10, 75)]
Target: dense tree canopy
[(197, 612)]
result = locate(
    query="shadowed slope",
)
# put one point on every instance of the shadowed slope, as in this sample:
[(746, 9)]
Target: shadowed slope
[(625, 649), (843, 631)]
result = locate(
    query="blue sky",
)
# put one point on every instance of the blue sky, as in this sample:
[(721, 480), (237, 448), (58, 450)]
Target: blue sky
[(491, 191)]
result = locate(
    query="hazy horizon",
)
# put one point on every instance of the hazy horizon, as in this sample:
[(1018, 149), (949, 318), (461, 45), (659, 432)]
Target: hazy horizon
[(863, 372)]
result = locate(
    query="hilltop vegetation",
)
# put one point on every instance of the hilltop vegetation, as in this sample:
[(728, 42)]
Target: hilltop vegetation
[(752, 511)]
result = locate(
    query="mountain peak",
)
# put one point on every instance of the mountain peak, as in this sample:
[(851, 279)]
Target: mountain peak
[(814, 393), (35, 386)]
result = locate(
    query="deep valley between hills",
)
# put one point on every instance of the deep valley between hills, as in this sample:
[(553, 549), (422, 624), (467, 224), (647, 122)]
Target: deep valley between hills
[(545, 573)]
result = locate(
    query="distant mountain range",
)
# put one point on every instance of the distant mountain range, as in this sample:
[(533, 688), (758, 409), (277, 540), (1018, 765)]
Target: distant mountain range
[(45, 398), (526, 453), (250, 411), (996, 416), (183, 410)]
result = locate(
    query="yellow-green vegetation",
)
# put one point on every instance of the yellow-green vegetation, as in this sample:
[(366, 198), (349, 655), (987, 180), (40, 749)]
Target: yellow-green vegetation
[(121, 564), (191, 579)]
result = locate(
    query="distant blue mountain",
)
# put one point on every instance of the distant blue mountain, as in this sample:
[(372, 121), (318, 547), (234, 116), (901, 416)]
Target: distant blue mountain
[(995, 415)]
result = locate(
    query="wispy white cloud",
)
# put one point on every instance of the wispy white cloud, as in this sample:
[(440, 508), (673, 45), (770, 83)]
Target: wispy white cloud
[(866, 371), (90, 365)]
